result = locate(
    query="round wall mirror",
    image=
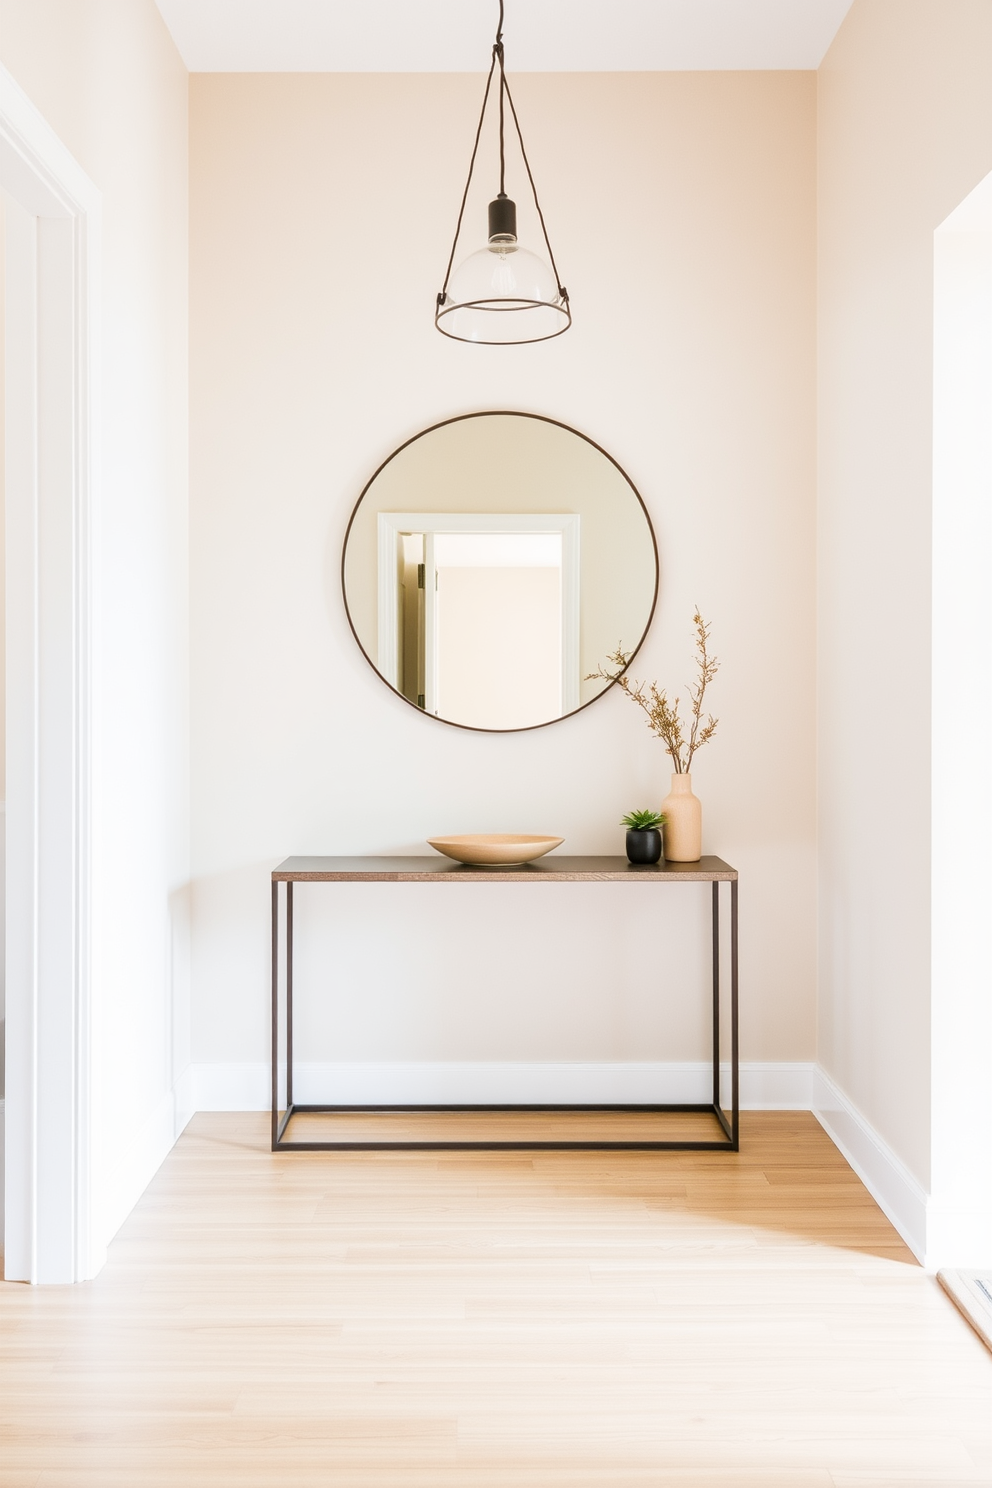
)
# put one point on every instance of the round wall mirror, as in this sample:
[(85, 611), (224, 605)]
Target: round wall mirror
[(492, 564)]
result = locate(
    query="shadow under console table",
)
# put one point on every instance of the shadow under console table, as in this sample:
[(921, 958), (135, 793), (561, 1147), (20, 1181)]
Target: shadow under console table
[(551, 869)]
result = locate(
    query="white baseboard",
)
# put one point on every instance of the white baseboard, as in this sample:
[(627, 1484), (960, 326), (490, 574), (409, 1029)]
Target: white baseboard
[(245, 1087), (896, 1192), (183, 1097), (143, 1155)]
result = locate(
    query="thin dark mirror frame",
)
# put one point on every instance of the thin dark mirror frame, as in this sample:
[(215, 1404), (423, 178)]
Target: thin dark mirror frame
[(461, 418)]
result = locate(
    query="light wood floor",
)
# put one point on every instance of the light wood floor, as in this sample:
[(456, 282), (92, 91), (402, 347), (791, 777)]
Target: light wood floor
[(559, 1320)]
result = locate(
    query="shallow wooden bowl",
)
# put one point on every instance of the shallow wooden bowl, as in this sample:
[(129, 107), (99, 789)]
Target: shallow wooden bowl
[(494, 847)]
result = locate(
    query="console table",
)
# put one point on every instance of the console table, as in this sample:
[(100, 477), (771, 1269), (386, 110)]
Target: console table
[(550, 869)]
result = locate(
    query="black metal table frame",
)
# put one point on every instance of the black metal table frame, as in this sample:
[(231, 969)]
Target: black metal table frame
[(731, 1128)]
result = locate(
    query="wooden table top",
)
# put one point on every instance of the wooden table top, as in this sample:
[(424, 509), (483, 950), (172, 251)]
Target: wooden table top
[(552, 868)]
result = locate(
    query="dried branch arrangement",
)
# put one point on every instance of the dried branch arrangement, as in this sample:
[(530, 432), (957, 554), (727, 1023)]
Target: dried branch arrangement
[(663, 716)]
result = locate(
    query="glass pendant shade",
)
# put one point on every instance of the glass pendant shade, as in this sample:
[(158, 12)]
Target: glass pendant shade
[(501, 295)]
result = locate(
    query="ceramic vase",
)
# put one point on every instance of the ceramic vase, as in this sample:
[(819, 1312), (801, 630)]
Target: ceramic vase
[(683, 814)]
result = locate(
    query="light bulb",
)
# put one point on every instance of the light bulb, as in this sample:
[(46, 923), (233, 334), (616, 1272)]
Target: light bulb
[(503, 292)]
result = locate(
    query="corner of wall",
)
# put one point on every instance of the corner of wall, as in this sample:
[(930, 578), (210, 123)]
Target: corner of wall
[(896, 1192)]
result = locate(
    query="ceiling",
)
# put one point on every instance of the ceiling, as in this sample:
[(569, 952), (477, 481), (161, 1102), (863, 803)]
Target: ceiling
[(540, 35)]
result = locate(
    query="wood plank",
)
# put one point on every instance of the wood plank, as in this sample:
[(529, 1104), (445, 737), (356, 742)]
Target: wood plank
[(476, 1320)]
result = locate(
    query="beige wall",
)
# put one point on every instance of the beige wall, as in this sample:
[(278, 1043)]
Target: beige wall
[(108, 79), (682, 208), (905, 132)]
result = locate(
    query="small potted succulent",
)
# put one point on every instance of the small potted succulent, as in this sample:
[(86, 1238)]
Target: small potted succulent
[(643, 835)]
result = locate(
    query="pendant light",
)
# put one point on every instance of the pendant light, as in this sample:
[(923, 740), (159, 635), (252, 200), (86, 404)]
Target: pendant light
[(502, 295)]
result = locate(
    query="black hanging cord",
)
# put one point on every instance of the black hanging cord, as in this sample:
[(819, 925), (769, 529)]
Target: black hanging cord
[(547, 241), (504, 92), (498, 55), (471, 168), (502, 146)]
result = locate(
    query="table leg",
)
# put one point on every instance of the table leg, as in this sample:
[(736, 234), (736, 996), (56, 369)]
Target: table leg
[(275, 1014), (289, 995), (716, 995), (734, 1040)]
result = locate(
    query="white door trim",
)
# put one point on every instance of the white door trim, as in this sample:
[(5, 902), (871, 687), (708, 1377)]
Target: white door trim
[(959, 1210), (53, 235)]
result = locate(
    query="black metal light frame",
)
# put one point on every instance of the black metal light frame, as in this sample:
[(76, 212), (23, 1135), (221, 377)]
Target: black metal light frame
[(498, 212)]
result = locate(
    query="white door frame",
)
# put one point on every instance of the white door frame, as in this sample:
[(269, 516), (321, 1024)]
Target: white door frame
[(52, 264), (959, 1207)]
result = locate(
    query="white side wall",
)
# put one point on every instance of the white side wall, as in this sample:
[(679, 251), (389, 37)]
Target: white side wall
[(904, 134), (3, 674), (108, 79)]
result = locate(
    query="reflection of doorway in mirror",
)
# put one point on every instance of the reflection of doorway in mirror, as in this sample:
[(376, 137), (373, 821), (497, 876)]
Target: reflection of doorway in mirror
[(479, 614), (494, 631)]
